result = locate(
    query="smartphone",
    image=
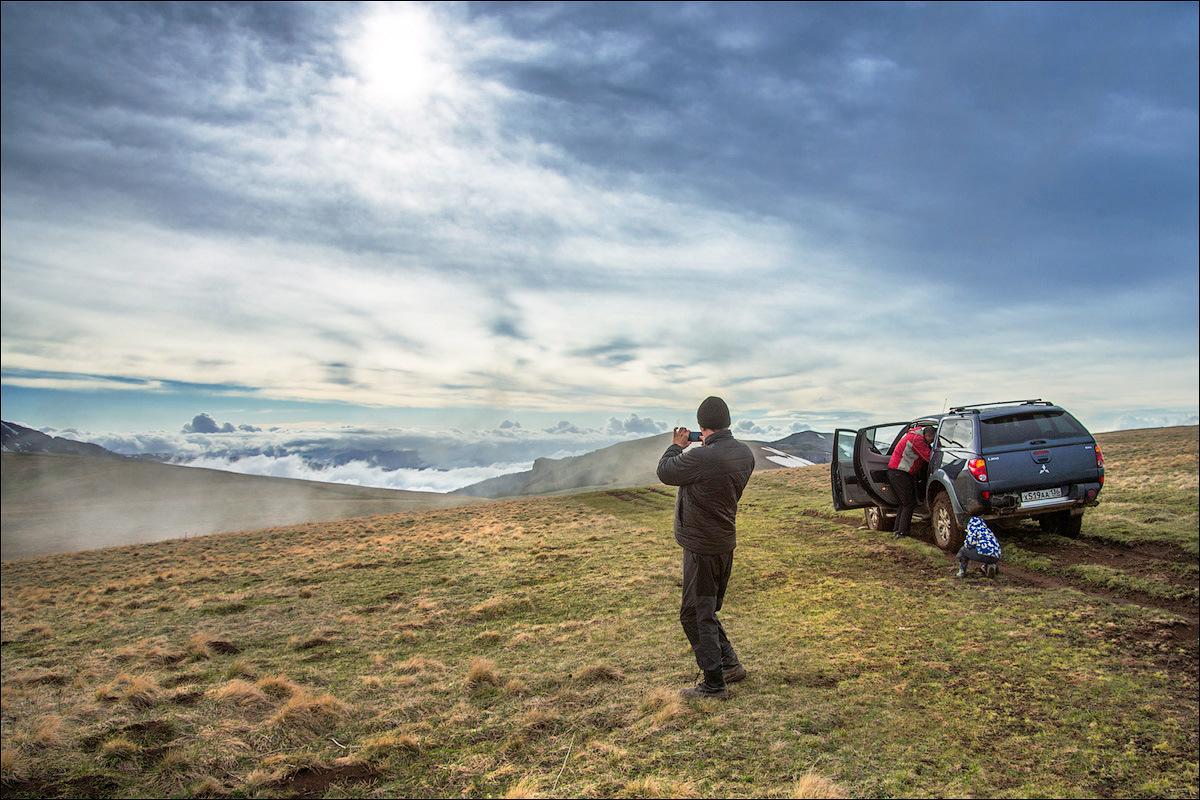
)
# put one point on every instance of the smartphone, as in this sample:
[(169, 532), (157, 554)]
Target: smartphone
[(695, 436)]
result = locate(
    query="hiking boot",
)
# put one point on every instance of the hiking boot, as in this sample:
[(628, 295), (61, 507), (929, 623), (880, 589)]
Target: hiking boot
[(897, 534), (962, 573), (713, 685), (734, 674), (702, 689)]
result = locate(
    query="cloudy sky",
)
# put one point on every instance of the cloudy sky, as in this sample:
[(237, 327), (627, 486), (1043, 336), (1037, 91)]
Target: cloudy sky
[(315, 215)]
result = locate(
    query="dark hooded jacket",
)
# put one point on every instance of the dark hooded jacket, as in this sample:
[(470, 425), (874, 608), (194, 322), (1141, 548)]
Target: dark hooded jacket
[(710, 480)]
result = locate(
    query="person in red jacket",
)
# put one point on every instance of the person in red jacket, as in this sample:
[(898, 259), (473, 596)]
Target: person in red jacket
[(909, 456)]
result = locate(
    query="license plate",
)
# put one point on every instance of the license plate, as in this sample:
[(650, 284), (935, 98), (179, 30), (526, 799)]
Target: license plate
[(1041, 494)]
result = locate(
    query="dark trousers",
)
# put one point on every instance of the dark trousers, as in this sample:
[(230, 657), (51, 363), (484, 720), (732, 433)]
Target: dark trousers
[(906, 495), (968, 554), (705, 578)]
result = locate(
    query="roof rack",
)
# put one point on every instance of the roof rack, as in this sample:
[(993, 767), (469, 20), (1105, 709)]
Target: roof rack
[(976, 406)]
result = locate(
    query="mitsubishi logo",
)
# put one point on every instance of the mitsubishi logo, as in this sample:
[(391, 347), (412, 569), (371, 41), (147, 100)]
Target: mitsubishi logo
[(1045, 470)]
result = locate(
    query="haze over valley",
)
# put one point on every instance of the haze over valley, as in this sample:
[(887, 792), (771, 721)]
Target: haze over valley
[(60, 495)]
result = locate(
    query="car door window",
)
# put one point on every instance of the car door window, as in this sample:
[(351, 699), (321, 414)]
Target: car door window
[(957, 433), (885, 438)]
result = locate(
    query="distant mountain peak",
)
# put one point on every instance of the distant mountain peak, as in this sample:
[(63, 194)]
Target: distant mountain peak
[(19, 439)]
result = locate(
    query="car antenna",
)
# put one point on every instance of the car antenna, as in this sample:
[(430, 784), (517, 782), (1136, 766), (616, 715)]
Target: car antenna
[(945, 403)]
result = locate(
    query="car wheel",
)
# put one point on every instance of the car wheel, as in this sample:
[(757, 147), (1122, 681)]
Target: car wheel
[(947, 533), (1062, 523), (877, 520)]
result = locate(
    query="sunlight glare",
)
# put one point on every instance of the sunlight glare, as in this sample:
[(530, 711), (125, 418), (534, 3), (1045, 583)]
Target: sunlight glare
[(397, 55)]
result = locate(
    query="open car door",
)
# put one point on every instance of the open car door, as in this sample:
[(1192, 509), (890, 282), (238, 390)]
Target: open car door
[(872, 450), (859, 470), (848, 491)]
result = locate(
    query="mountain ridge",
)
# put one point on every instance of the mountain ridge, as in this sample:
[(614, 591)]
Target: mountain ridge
[(619, 466)]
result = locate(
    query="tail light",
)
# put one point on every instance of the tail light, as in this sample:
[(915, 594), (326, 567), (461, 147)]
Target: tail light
[(978, 469), (1099, 458)]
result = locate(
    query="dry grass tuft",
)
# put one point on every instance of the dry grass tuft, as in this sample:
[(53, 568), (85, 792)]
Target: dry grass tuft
[(419, 664), (139, 691), (812, 786), (119, 749), (662, 707), (599, 672), (611, 753), (164, 657), (482, 671), (240, 693), (488, 638), (260, 779), (278, 686), (174, 759), (12, 766), (239, 668), (525, 787), (656, 788), (35, 632), (38, 677), (538, 720), (384, 745), (315, 713), (198, 646), (48, 731), (208, 787), (202, 646)]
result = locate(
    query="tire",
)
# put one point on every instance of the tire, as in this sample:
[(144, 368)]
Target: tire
[(947, 533), (877, 520), (1062, 523)]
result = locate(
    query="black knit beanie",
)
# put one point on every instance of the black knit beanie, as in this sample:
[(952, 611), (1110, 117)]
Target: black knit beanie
[(713, 414)]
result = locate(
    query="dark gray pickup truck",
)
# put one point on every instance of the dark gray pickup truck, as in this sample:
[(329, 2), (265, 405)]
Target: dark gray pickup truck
[(1026, 458)]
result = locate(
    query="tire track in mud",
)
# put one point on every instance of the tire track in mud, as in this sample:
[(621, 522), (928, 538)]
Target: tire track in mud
[(1152, 560), (1137, 561)]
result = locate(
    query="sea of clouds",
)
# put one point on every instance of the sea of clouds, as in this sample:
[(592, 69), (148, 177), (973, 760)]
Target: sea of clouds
[(427, 460)]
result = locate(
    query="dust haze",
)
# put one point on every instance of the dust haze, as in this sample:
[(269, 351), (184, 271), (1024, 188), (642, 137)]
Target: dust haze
[(58, 503)]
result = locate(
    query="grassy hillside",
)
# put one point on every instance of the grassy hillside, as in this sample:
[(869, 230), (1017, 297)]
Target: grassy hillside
[(56, 503), (532, 648)]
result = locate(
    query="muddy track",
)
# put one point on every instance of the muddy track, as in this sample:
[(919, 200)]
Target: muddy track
[(1151, 561)]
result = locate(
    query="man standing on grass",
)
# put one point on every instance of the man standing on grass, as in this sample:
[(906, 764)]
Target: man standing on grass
[(711, 479)]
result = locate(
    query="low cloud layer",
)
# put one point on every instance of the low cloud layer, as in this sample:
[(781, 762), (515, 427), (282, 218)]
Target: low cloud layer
[(421, 460)]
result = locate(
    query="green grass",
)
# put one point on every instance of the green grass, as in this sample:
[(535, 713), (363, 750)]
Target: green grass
[(532, 648)]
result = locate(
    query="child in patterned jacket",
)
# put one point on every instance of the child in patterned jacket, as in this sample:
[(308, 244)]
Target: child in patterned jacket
[(981, 546)]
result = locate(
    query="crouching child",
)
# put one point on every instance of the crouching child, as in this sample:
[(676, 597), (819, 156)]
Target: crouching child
[(981, 546)]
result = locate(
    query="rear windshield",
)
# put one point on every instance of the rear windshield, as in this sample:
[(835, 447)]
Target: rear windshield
[(1028, 426)]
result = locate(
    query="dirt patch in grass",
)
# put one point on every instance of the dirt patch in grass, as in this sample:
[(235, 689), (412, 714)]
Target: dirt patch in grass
[(1153, 561), (316, 781), (1184, 634), (88, 786), (1157, 562)]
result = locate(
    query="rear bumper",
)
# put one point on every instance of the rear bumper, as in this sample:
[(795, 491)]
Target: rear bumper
[(1076, 497)]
